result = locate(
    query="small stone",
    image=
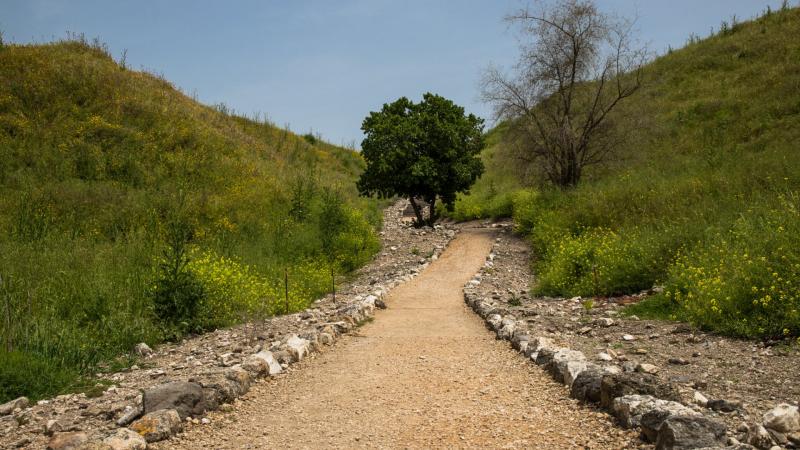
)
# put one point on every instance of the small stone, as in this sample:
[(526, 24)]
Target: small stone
[(143, 350), (628, 337), (205, 421), (784, 418), (52, 427), (678, 361), (699, 399), (125, 439), (647, 368), (604, 322), (723, 406), (603, 356), (67, 441), (640, 351)]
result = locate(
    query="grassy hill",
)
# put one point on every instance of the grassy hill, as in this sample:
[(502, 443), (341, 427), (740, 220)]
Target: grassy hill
[(129, 212), (703, 197)]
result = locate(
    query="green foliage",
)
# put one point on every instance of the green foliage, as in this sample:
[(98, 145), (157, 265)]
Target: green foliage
[(422, 150), (100, 250), (703, 199)]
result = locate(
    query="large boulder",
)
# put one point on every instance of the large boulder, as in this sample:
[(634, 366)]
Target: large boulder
[(187, 399), (8, 408), (616, 385), (158, 425), (690, 432), (586, 386), (784, 418), (126, 439)]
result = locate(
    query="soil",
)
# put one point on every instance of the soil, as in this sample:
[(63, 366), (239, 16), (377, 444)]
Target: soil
[(425, 373)]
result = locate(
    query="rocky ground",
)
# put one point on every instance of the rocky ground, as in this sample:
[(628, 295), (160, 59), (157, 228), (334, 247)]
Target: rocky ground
[(733, 381), (205, 360)]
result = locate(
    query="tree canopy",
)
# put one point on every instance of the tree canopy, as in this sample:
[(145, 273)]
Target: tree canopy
[(425, 150)]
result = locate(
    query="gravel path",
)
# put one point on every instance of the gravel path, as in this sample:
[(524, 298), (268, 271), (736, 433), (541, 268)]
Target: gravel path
[(425, 373)]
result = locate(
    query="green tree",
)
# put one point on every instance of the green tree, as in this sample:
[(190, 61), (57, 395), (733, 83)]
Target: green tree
[(425, 150), (332, 222)]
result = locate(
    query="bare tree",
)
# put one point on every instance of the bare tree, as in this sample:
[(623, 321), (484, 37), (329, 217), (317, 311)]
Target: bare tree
[(576, 65)]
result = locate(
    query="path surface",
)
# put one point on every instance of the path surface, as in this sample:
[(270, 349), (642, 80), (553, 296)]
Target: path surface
[(424, 373)]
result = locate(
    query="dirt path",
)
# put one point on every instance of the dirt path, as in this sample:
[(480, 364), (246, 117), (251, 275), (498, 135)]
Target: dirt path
[(425, 373)]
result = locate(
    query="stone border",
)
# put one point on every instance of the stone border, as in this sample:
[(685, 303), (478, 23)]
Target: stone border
[(638, 400)]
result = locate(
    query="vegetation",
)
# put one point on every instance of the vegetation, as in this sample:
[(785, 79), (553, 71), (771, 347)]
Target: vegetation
[(130, 212), (422, 150), (576, 66), (702, 199)]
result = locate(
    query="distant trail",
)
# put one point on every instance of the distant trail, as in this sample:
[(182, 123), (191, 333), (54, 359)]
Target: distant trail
[(425, 373)]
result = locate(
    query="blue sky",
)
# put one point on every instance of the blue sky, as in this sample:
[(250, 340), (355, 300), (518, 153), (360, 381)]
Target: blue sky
[(323, 65)]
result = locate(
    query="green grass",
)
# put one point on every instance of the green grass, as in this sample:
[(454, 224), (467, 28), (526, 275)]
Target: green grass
[(703, 197), (95, 163)]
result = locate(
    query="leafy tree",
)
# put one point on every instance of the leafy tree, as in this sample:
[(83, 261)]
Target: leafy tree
[(576, 65), (425, 150)]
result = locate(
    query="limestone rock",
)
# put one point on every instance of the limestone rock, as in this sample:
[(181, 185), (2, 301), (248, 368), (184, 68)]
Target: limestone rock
[(143, 350), (187, 399), (567, 364), (8, 408), (784, 418), (158, 425), (272, 365), (537, 344), (67, 441), (125, 439), (298, 347), (690, 432), (630, 409), (647, 368), (621, 384)]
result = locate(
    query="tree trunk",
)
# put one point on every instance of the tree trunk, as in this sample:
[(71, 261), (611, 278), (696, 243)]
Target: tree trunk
[(432, 216), (417, 211)]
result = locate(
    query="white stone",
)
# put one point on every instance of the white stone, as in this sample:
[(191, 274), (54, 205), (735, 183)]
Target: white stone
[(298, 346), (699, 399), (628, 337), (603, 356), (647, 368), (783, 418)]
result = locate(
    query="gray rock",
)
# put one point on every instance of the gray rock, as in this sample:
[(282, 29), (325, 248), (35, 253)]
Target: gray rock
[(690, 432), (603, 356), (621, 384), (567, 364), (783, 418), (125, 439), (723, 406), (586, 386), (8, 408), (240, 377), (537, 344), (158, 425), (67, 441), (187, 399)]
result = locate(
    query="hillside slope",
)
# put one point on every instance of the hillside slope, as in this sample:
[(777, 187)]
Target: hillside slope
[(130, 212), (702, 198)]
